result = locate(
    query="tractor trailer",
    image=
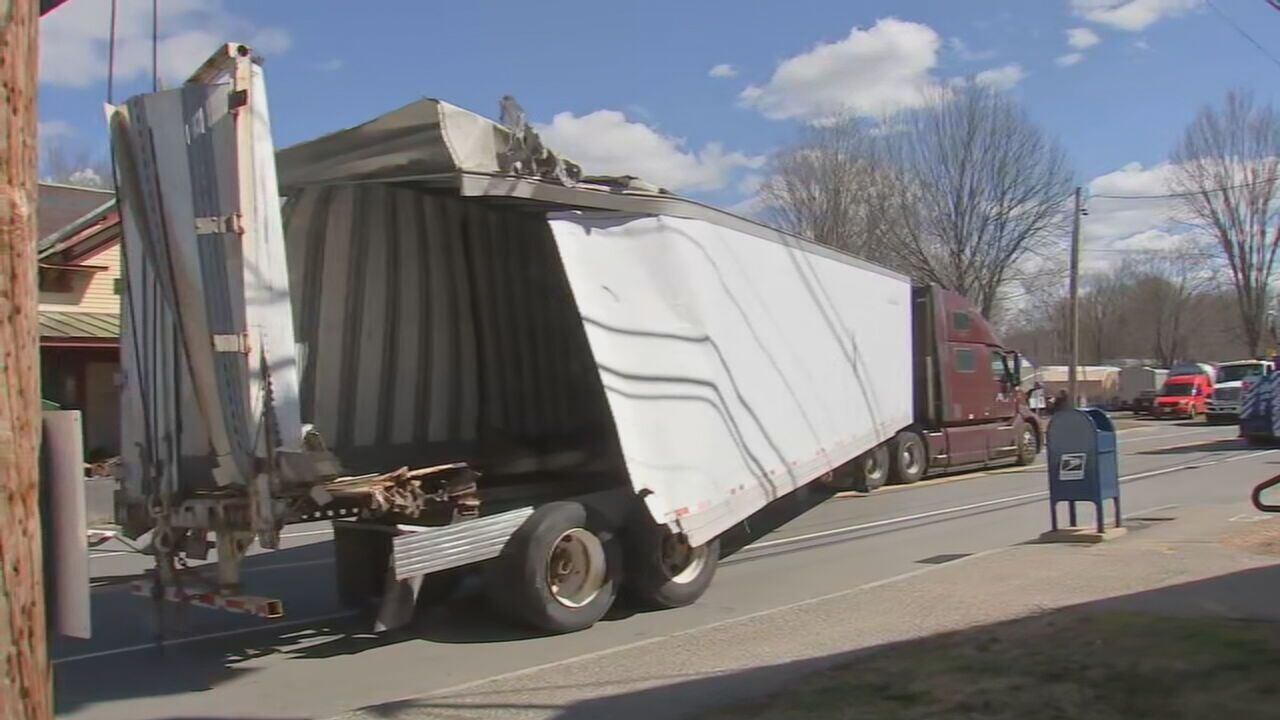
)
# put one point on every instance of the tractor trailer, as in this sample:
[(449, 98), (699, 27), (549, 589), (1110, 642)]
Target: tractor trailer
[(439, 335)]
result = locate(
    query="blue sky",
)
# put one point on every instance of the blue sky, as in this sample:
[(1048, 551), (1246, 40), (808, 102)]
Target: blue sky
[(628, 86)]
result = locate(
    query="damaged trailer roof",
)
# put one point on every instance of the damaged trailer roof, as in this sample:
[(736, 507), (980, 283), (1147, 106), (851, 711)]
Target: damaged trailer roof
[(432, 143)]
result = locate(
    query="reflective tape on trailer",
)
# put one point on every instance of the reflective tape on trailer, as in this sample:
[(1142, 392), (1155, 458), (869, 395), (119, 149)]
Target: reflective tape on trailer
[(269, 608)]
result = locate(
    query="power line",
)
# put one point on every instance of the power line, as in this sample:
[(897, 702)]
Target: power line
[(1242, 33), (1162, 196)]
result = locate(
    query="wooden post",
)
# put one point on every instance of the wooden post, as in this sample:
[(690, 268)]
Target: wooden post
[(25, 692), (1073, 309)]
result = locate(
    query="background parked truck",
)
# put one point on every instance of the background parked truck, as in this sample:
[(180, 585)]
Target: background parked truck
[(472, 358), (1224, 404)]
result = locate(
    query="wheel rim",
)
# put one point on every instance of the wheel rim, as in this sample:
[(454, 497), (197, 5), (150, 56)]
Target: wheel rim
[(873, 466), (576, 568), (1028, 440), (912, 458), (682, 562)]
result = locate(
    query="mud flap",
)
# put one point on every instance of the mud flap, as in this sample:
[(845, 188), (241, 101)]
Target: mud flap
[(399, 601)]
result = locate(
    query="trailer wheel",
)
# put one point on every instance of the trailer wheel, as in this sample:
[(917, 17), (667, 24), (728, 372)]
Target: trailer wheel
[(1028, 444), (558, 572), (871, 469), (664, 571), (360, 563), (908, 462)]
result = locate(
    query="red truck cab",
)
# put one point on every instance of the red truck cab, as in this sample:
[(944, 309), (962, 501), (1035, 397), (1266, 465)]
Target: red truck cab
[(968, 405), (969, 410), (1183, 396)]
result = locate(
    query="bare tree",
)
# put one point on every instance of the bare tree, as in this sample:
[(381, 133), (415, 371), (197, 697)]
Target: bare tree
[(1103, 304), (1164, 289), (834, 187), (62, 162), (986, 188), (1228, 166)]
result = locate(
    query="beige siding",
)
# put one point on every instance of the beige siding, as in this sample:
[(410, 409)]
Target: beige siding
[(98, 296)]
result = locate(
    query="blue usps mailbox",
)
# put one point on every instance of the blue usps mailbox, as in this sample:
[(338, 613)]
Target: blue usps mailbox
[(1082, 462)]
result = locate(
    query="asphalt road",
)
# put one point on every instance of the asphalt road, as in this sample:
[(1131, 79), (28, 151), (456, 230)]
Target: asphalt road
[(319, 662)]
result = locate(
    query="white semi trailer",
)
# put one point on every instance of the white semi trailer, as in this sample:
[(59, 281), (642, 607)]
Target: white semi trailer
[(430, 330)]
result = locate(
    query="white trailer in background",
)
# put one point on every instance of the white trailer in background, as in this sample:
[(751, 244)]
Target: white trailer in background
[(472, 356), (1136, 380)]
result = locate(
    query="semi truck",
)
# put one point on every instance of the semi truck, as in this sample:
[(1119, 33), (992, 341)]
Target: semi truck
[(1224, 404), (469, 356)]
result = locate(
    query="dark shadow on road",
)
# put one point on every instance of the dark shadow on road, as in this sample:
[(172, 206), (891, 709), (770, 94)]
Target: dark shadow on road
[(1246, 598)]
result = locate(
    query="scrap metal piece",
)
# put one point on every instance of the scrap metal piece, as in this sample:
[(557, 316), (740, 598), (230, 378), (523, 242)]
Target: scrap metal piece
[(409, 492), (525, 154)]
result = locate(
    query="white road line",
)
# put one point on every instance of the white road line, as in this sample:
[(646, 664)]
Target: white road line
[(893, 521), (207, 636), (1016, 469), (1178, 434), (986, 503), (1246, 457)]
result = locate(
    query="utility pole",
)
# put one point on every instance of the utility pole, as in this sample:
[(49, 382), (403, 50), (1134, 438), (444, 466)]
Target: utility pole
[(25, 683), (1073, 308)]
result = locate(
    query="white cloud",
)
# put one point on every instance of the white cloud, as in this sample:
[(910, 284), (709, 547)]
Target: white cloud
[(1115, 219), (1082, 38), (605, 142), (1001, 78), (1131, 15), (723, 70), (331, 65), (1141, 44), (1069, 59), (966, 53), (751, 207), (871, 72), (1115, 227), (751, 183), (73, 39), (86, 177), (50, 129)]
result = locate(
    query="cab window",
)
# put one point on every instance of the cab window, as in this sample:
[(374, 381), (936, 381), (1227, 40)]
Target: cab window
[(960, 321), (998, 369), (966, 362)]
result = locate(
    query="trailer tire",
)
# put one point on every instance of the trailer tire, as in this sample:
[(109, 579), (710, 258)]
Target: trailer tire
[(871, 469), (909, 460), (662, 570), (360, 563), (559, 572), (1028, 444)]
